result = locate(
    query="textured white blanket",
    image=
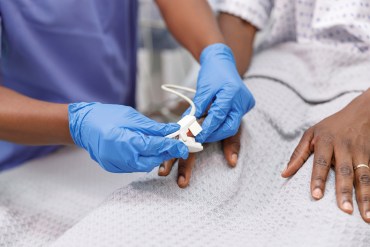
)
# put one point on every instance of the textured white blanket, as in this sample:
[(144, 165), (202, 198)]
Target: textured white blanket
[(250, 205), (42, 199)]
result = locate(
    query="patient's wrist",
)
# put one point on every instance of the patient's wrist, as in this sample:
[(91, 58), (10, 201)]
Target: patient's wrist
[(366, 97), (367, 93)]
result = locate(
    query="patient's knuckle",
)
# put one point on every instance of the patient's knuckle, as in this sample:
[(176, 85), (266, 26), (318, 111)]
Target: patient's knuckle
[(307, 133), (319, 179), (364, 198), (346, 143), (320, 161), (299, 153), (181, 169), (364, 179), (295, 154), (345, 170), (346, 191), (327, 138)]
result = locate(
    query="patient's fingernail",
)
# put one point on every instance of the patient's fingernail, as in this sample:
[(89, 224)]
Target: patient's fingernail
[(181, 180), (317, 193), (284, 171), (234, 159), (161, 169), (347, 206), (368, 214)]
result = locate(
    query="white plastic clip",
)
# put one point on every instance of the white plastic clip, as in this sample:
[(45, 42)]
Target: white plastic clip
[(188, 123)]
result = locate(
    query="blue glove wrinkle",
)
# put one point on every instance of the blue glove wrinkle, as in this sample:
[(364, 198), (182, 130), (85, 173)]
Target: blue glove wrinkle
[(77, 112), (150, 127), (170, 128), (226, 129), (147, 164), (215, 116), (115, 137)]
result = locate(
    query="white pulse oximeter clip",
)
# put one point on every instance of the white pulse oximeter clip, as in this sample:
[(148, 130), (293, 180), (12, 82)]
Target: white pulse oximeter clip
[(188, 123)]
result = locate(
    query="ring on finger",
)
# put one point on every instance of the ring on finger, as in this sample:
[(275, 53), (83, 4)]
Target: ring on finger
[(361, 166)]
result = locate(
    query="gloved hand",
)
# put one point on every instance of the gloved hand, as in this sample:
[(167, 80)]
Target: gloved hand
[(121, 139), (219, 83)]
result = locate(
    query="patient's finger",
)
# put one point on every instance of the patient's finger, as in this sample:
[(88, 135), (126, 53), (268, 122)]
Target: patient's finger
[(323, 157), (166, 167), (300, 155), (362, 185), (362, 182), (231, 147), (344, 178), (184, 171)]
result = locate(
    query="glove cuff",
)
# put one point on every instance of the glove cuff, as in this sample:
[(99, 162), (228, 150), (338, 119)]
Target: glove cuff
[(218, 49), (76, 115)]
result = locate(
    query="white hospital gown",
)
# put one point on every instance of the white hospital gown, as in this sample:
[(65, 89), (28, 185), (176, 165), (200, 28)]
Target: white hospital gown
[(326, 42), (344, 23)]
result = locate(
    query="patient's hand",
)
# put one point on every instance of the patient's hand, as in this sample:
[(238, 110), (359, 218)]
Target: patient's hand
[(231, 147), (342, 140)]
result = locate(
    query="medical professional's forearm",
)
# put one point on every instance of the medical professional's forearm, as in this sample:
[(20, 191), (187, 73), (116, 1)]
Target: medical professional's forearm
[(239, 35), (192, 23), (27, 121)]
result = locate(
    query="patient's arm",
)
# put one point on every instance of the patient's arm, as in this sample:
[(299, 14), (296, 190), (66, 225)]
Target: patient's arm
[(239, 35)]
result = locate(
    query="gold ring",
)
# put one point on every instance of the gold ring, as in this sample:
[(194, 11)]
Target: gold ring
[(360, 166)]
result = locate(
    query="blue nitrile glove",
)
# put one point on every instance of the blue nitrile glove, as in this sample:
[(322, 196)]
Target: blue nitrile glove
[(219, 83), (121, 139)]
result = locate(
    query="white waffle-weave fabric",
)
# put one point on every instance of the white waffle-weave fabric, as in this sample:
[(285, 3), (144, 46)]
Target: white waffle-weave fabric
[(337, 23), (42, 199), (308, 43), (250, 205)]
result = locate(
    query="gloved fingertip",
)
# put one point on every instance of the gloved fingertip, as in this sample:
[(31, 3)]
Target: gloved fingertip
[(200, 138), (173, 148), (211, 139), (183, 150), (203, 135), (170, 128), (201, 102), (198, 113), (174, 126), (199, 110)]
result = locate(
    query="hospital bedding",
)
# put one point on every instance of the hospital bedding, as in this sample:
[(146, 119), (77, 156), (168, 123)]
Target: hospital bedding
[(42, 199), (250, 205)]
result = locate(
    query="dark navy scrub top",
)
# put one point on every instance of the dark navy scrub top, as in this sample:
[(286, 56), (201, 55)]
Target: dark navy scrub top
[(67, 51)]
